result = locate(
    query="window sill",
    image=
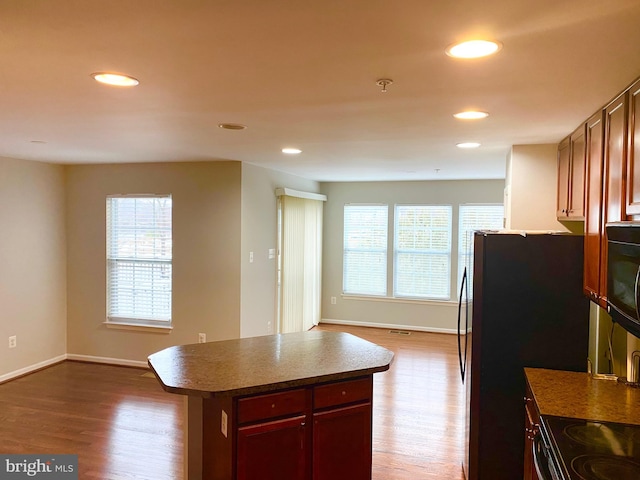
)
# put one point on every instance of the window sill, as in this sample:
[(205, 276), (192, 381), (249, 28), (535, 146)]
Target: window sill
[(138, 327), (400, 300)]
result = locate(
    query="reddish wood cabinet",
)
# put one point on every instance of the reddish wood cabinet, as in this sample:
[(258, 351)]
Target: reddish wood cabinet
[(614, 178), (593, 206), (273, 450), (319, 432), (633, 151), (571, 176)]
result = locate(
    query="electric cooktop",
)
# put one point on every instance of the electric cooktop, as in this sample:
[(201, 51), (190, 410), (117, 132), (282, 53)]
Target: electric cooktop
[(592, 450)]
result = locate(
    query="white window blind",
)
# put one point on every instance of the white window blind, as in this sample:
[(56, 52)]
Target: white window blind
[(139, 256), (422, 251), (365, 249), (301, 263), (473, 218)]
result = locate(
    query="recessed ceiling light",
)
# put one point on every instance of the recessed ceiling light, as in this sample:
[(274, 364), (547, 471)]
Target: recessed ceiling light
[(473, 49), (291, 151), (471, 115), (468, 145), (115, 79), (232, 126)]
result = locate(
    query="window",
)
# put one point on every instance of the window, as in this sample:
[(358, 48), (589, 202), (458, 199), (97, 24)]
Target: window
[(139, 256), (365, 249), (472, 218), (422, 251)]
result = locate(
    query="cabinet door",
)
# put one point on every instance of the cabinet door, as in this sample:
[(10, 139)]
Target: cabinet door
[(633, 153), (273, 450), (575, 204), (593, 206), (564, 170), (614, 176), (342, 443)]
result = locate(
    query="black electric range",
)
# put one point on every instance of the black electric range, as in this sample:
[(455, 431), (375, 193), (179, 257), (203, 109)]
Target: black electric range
[(591, 450)]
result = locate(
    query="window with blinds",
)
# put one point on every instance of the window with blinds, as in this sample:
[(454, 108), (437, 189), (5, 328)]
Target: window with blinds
[(422, 251), (473, 218), (139, 256), (365, 249)]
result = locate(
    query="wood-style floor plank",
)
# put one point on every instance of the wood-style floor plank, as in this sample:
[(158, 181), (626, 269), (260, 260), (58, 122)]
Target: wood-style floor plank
[(124, 426), (117, 419), (418, 415)]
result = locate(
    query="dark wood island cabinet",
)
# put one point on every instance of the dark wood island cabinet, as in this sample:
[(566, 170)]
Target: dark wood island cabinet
[(279, 407)]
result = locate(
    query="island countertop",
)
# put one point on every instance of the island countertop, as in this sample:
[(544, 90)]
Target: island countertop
[(261, 364)]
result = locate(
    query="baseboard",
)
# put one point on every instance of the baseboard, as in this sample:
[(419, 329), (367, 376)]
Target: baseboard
[(31, 368), (107, 360), (394, 326)]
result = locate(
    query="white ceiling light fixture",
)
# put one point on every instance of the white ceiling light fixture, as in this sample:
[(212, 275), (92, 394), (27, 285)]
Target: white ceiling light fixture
[(473, 49), (291, 151), (467, 145), (115, 79), (471, 115)]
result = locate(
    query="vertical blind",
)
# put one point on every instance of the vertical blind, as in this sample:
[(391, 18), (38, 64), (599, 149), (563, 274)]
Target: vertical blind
[(473, 218), (139, 256), (422, 251), (365, 249), (301, 263)]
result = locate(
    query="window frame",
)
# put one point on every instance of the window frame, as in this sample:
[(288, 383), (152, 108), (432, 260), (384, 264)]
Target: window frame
[(384, 250), (427, 253), (132, 321)]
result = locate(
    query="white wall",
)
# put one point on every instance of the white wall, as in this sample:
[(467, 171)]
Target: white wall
[(259, 234), (206, 254), (33, 264), (429, 316), (531, 183)]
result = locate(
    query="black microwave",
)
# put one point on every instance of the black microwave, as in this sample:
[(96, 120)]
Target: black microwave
[(623, 274)]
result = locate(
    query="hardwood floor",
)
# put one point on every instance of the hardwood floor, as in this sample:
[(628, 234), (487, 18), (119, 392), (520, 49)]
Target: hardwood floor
[(117, 419), (123, 425), (418, 413)]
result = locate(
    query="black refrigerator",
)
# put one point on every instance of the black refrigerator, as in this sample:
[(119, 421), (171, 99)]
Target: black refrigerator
[(527, 310)]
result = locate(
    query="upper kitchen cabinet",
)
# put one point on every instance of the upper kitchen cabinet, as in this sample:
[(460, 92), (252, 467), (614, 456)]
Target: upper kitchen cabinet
[(614, 177), (633, 151), (571, 174), (593, 205)]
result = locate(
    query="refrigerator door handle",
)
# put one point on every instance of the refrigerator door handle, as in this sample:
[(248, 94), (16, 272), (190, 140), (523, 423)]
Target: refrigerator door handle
[(460, 360), (637, 296)]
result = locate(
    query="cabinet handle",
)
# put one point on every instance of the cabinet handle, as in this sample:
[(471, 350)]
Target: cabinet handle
[(302, 425)]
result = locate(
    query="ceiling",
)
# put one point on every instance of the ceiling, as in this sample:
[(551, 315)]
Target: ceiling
[(303, 73)]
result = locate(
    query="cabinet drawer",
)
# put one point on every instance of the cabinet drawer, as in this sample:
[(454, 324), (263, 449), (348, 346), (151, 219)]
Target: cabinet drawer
[(272, 405), (342, 392)]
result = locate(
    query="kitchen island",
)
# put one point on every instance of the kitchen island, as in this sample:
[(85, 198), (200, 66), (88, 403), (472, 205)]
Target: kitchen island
[(287, 406)]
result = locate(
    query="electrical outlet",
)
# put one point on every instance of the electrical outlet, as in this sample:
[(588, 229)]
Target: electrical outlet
[(250, 257), (202, 338), (269, 328), (223, 423), (13, 341), (333, 300)]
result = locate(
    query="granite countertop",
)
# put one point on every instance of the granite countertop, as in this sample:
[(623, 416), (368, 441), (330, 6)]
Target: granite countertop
[(262, 364), (578, 395)]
